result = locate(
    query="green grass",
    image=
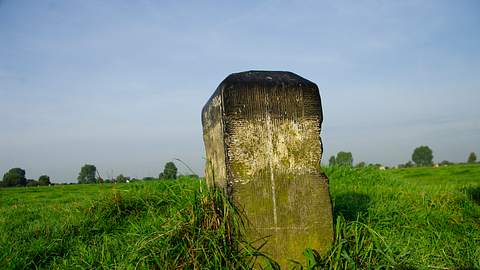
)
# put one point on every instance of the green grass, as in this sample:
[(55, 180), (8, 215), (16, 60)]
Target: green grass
[(425, 218), (156, 224), (414, 218)]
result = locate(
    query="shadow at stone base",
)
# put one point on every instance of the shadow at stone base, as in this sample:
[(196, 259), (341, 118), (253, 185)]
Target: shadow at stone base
[(350, 205)]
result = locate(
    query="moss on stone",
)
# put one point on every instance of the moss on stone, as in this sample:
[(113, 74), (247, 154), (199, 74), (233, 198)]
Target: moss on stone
[(272, 149)]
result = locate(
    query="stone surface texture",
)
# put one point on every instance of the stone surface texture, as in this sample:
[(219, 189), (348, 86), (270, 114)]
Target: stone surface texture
[(262, 140)]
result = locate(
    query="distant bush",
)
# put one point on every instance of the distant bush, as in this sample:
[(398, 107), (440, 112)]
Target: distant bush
[(423, 156), (87, 174), (169, 172), (472, 158), (342, 159), (32, 183), (122, 179), (44, 180), (409, 164), (445, 162), (332, 162), (14, 177), (361, 164)]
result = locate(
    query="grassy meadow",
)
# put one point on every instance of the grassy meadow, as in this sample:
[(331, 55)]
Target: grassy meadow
[(412, 218)]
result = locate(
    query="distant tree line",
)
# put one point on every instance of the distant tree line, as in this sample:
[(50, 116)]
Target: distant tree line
[(15, 177), (345, 159), (89, 175), (421, 156), (342, 159)]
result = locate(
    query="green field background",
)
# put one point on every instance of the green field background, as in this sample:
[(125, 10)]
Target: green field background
[(412, 218)]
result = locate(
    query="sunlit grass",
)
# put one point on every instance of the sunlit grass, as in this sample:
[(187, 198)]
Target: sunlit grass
[(415, 218)]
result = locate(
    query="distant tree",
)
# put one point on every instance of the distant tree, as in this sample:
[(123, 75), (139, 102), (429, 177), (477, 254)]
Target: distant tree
[(445, 162), (472, 158), (422, 156), (361, 164), (169, 172), (44, 180), (344, 159), (87, 174), (409, 164), (122, 179), (14, 177), (375, 165), (332, 162), (148, 178), (32, 183)]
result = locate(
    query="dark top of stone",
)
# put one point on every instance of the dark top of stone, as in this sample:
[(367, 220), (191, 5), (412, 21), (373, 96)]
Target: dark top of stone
[(284, 78), (242, 80)]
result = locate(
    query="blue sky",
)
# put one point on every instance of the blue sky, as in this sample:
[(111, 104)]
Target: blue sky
[(120, 84)]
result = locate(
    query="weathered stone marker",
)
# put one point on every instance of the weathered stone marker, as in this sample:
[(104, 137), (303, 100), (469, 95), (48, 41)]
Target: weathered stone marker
[(262, 137)]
